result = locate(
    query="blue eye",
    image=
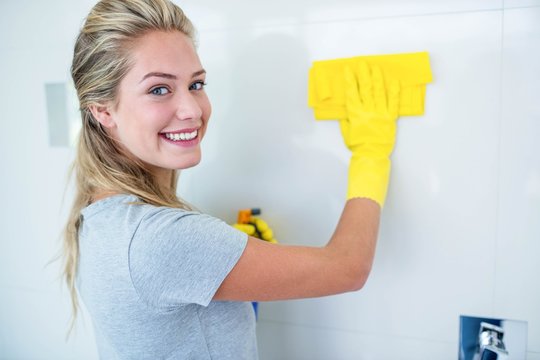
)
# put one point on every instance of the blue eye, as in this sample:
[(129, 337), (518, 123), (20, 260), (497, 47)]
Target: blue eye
[(198, 85), (161, 90)]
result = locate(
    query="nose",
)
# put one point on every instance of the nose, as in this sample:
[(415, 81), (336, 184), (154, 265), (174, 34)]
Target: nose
[(188, 107)]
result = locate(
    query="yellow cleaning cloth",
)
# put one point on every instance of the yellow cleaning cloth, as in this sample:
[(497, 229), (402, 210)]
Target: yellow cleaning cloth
[(326, 89)]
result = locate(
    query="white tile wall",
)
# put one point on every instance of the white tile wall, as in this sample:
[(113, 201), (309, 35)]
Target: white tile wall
[(460, 230), (36, 327), (520, 3), (215, 14), (517, 290), (292, 341), (36, 46), (435, 214)]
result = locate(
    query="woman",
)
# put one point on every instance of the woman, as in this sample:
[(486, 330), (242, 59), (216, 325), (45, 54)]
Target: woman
[(159, 279)]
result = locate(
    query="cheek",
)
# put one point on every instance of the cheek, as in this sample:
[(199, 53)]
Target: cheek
[(159, 117), (135, 129), (149, 119), (206, 112), (206, 108)]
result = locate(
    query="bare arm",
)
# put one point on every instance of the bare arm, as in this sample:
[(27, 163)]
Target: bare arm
[(275, 272)]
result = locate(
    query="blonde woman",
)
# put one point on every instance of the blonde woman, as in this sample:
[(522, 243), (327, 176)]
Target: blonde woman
[(160, 280)]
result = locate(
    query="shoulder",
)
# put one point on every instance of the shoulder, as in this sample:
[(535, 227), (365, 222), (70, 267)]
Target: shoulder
[(164, 227), (178, 256), (130, 206)]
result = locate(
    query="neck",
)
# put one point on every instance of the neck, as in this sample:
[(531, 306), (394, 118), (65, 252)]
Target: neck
[(164, 178)]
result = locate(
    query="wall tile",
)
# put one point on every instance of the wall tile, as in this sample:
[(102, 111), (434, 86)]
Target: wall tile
[(520, 3), (36, 324), (517, 291), (441, 212), (290, 341), (213, 14)]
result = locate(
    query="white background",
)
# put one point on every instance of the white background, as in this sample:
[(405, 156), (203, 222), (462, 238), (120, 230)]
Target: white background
[(460, 232)]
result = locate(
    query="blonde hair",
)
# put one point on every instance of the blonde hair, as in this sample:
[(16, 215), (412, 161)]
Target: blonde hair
[(100, 61)]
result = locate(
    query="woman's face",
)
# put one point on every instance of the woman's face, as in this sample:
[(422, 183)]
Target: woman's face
[(162, 109)]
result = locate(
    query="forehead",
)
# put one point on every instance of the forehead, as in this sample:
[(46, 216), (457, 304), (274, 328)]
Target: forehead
[(159, 51)]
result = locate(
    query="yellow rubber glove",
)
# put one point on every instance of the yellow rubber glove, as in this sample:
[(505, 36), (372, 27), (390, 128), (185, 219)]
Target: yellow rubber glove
[(257, 228), (369, 130)]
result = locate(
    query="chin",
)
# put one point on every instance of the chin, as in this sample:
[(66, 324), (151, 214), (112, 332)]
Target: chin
[(188, 163), (187, 166)]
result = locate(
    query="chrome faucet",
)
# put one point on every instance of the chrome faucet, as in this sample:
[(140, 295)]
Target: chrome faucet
[(490, 343), (482, 338)]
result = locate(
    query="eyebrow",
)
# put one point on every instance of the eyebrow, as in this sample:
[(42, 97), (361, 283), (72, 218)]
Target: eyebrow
[(170, 76)]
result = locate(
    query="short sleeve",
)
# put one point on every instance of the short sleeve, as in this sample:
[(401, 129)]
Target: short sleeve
[(179, 257)]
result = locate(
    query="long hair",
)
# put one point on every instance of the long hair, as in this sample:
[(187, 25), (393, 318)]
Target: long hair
[(101, 59)]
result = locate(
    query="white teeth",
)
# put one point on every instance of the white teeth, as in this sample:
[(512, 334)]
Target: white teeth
[(182, 136)]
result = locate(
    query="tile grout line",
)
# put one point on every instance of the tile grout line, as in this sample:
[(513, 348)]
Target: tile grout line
[(521, 7), (498, 174), (353, 331), (367, 18)]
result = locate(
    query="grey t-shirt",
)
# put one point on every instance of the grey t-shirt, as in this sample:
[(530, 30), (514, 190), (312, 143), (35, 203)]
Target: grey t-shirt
[(147, 276)]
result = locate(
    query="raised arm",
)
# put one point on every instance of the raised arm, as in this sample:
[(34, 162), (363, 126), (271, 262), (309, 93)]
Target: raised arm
[(274, 272)]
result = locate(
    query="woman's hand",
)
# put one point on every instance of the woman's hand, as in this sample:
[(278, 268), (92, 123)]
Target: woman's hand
[(369, 130)]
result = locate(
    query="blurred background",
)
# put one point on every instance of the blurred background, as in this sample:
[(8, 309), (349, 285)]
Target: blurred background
[(460, 232)]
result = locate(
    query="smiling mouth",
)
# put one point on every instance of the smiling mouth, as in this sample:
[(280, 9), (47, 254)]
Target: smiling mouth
[(182, 136)]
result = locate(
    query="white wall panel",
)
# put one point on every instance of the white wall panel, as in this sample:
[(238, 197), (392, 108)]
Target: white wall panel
[(292, 341), (215, 14), (520, 3), (517, 291), (441, 210), (36, 40), (36, 327)]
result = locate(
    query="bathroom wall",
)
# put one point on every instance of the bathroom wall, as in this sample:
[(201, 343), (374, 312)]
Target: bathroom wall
[(460, 232)]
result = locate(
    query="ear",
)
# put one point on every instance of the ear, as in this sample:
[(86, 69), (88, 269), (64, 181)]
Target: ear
[(102, 114)]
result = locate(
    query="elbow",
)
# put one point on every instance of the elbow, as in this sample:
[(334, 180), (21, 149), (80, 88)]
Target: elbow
[(350, 271), (358, 284), (358, 277)]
